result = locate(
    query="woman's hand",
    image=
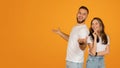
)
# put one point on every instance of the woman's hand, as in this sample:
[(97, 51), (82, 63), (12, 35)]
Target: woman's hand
[(95, 35)]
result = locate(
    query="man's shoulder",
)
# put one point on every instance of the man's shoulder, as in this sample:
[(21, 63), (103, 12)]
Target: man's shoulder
[(85, 28)]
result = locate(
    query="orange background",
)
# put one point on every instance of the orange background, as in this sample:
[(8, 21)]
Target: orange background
[(26, 37)]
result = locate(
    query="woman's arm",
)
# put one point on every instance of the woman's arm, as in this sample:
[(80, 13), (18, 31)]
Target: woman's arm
[(93, 46), (102, 53), (92, 49)]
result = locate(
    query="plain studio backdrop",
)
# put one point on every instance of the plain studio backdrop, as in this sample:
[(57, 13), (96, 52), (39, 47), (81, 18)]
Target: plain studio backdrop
[(27, 40)]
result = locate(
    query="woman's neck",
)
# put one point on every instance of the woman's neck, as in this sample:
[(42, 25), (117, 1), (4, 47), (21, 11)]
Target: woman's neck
[(98, 33)]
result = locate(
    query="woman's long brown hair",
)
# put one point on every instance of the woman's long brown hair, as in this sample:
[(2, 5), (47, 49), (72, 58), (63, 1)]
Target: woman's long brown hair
[(102, 32)]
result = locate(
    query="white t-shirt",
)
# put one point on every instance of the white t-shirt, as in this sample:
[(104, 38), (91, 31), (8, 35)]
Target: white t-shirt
[(74, 53), (100, 46)]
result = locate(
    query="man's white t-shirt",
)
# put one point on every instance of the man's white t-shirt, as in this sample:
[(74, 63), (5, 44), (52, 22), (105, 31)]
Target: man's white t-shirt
[(100, 46), (74, 53)]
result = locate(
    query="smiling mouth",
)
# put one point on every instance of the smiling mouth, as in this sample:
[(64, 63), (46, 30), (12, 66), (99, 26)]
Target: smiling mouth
[(80, 18)]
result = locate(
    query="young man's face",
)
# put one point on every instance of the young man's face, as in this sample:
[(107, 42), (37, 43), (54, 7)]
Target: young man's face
[(82, 15)]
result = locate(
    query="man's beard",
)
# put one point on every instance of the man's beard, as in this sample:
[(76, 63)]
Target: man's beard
[(80, 21)]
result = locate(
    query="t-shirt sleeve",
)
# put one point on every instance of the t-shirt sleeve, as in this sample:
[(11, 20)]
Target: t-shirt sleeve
[(83, 33), (89, 40)]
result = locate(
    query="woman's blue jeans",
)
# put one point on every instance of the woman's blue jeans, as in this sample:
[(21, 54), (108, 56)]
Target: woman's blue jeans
[(95, 62)]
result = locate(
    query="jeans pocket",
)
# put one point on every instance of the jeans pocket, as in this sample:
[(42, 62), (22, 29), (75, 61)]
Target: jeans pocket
[(90, 60)]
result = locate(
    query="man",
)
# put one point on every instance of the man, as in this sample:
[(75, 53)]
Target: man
[(76, 40)]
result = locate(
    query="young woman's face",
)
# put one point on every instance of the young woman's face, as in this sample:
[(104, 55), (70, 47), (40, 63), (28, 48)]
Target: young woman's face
[(95, 25)]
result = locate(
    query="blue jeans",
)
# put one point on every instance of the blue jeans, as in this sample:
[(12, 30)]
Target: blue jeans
[(70, 64), (95, 62)]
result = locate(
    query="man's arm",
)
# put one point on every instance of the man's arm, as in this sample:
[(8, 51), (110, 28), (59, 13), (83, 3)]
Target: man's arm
[(82, 43), (60, 33)]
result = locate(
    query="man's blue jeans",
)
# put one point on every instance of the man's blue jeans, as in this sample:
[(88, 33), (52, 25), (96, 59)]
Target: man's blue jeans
[(70, 64)]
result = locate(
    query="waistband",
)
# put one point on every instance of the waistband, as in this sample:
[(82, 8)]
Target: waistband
[(96, 56)]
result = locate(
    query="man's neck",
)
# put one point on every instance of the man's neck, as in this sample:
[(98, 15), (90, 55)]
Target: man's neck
[(81, 23)]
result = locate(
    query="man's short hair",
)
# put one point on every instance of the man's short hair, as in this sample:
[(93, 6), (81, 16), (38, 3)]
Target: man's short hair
[(83, 7)]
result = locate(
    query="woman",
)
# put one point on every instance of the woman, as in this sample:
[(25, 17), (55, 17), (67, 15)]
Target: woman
[(98, 42)]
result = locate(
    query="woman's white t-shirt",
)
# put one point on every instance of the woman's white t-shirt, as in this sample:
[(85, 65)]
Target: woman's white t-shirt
[(100, 46)]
